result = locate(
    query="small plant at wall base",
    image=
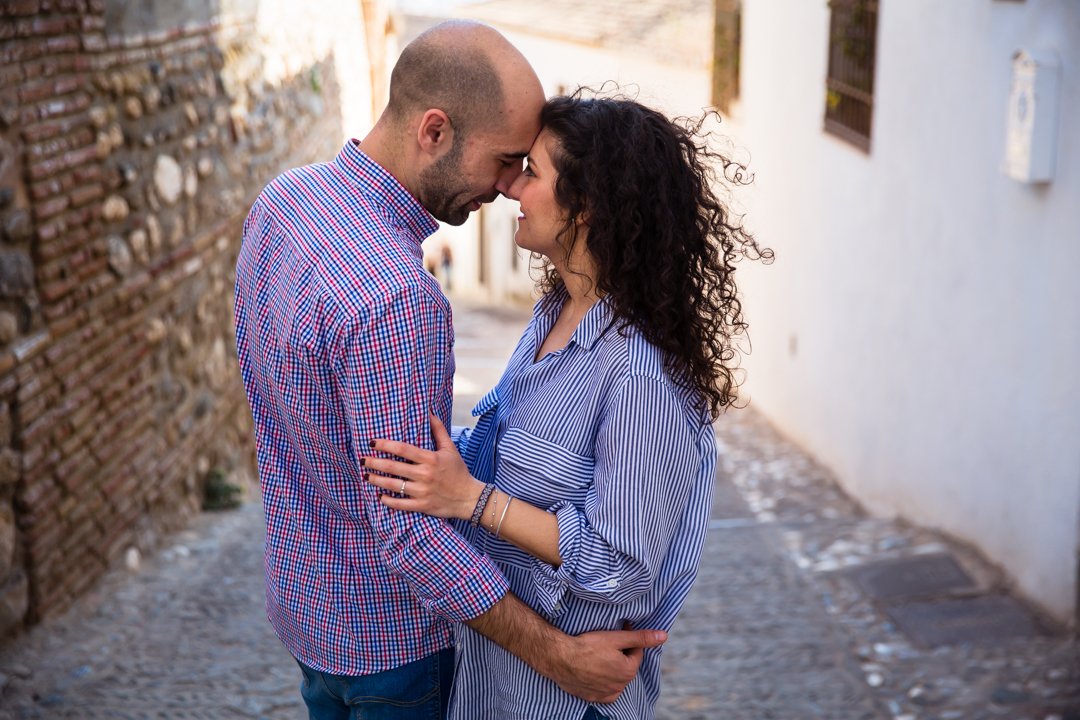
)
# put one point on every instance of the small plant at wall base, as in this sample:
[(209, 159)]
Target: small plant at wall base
[(219, 493)]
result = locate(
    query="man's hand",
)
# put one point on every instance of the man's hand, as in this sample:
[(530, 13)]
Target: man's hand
[(595, 666), (598, 665)]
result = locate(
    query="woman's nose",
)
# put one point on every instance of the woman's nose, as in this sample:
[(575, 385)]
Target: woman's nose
[(514, 190), (508, 176)]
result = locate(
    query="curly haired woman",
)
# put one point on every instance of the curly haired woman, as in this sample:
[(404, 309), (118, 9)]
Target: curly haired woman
[(588, 476)]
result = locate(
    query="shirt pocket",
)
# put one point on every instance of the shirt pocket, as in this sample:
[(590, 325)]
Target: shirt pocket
[(540, 471)]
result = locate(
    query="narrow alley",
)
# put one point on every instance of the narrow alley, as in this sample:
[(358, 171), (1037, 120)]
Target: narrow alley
[(805, 608)]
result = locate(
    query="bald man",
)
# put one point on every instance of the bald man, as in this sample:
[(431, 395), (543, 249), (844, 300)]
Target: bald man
[(343, 337)]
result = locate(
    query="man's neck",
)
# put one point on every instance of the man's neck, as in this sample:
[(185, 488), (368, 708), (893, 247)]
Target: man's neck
[(383, 146)]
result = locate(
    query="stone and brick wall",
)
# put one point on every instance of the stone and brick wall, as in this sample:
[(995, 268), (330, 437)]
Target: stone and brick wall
[(128, 161)]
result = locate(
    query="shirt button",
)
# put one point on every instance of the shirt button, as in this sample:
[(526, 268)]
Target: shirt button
[(558, 607), (613, 583)]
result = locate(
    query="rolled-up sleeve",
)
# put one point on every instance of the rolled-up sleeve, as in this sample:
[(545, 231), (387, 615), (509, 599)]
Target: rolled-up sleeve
[(646, 461), (390, 370)]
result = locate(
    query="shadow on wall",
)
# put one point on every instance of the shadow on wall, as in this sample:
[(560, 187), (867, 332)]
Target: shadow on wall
[(139, 136)]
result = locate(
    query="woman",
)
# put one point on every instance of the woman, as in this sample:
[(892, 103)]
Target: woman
[(588, 477)]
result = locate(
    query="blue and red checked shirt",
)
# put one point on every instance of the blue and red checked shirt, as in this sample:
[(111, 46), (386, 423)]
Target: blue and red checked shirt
[(343, 336)]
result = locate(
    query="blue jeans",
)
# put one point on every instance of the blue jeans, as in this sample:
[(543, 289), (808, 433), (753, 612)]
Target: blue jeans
[(419, 690)]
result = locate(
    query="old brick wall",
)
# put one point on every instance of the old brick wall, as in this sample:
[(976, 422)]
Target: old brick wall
[(127, 163)]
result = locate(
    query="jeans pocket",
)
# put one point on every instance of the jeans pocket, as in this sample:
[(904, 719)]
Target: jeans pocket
[(415, 685)]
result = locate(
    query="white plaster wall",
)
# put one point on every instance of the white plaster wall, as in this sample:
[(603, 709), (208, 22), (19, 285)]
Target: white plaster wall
[(920, 329)]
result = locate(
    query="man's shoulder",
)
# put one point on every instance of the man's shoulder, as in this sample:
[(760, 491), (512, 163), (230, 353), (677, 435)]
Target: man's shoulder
[(298, 182), (320, 196), (349, 243), (408, 289), (369, 283)]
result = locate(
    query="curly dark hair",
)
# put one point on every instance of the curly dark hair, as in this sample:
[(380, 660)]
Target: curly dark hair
[(663, 244)]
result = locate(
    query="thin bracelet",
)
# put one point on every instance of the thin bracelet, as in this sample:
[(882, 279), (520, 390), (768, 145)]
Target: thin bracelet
[(478, 511), (494, 503), (509, 499)]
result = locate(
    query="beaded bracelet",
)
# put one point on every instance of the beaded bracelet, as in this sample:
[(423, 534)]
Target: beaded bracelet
[(478, 511)]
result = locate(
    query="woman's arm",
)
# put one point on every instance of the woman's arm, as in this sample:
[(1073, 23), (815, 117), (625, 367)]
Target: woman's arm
[(438, 483), (649, 462)]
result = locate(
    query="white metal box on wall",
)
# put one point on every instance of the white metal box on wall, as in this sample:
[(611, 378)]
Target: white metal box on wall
[(1031, 129)]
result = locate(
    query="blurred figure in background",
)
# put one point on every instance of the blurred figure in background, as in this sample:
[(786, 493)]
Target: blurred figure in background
[(446, 262)]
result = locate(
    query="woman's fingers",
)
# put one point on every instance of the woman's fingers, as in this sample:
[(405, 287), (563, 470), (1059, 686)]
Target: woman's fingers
[(400, 503), (417, 498), (403, 450), (438, 481), (386, 483), (392, 484), (393, 467)]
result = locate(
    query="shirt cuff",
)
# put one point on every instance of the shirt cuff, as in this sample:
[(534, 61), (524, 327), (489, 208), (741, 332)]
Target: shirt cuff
[(473, 595), (551, 583)]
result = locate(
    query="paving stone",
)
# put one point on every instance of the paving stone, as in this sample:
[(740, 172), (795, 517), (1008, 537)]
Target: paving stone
[(979, 620), (912, 577)]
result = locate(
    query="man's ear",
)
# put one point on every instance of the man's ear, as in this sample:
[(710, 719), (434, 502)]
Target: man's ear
[(435, 134)]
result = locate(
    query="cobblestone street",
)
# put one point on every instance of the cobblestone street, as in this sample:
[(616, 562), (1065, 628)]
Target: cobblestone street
[(805, 608)]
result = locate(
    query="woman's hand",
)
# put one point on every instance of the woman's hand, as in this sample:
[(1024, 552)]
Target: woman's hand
[(436, 482)]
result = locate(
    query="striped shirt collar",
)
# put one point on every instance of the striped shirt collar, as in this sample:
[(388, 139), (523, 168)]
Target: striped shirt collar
[(383, 190), (596, 322)]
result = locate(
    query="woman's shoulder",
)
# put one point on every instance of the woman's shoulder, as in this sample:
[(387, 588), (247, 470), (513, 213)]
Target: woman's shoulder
[(634, 361), (629, 357), (629, 353)]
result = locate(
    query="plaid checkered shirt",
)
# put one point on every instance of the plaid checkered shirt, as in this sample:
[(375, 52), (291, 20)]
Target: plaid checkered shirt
[(343, 336)]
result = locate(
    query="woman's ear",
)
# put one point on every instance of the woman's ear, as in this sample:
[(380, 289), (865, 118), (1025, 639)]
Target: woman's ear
[(583, 216), (435, 133)]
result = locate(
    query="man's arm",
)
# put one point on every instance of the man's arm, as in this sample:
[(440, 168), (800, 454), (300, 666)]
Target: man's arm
[(595, 666), (393, 366)]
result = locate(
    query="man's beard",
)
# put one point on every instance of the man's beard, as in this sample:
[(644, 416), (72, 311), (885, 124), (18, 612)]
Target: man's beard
[(439, 192)]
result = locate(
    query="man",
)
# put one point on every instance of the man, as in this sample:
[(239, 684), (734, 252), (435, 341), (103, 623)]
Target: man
[(343, 337)]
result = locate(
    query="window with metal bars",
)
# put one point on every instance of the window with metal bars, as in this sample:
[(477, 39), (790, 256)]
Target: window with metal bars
[(849, 88), (727, 35)]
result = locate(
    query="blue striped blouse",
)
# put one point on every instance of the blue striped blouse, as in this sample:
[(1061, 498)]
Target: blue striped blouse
[(599, 434)]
